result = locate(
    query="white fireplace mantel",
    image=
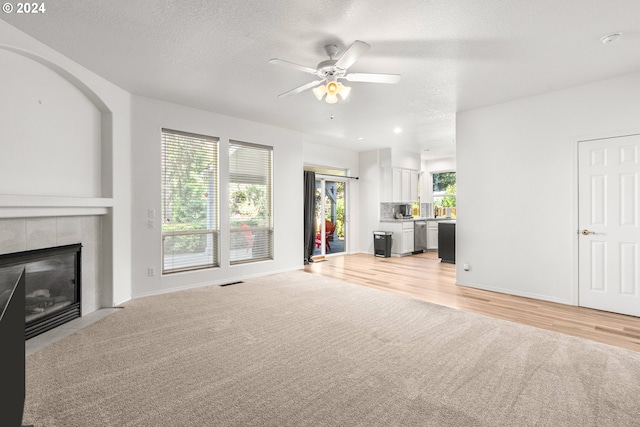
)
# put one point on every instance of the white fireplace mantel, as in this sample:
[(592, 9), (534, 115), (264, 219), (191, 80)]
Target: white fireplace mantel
[(24, 206)]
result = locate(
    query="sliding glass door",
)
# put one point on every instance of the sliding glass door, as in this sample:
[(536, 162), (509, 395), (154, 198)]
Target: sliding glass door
[(330, 208)]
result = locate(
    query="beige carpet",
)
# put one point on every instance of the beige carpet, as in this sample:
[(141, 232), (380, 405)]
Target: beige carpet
[(298, 349)]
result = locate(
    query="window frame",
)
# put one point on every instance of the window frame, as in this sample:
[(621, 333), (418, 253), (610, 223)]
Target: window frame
[(442, 194), (213, 223), (253, 231)]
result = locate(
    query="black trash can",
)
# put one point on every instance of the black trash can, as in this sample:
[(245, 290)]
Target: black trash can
[(382, 243)]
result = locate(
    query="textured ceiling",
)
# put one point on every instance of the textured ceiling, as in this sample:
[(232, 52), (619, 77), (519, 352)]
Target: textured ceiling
[(452, 55)]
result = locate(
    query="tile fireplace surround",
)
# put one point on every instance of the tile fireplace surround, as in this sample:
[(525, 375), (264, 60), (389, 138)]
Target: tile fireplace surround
[(23, 234)]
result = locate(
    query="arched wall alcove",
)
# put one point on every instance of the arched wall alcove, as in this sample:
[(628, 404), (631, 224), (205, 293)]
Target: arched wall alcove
[(61, 123), (56, 167)]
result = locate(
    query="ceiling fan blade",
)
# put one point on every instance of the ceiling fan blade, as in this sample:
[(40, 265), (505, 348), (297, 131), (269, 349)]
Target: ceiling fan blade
[(293, 65), (300, 88), (373, 78), (352, 54)]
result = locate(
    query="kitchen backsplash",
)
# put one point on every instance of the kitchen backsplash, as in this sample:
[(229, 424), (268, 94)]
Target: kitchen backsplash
[(388, 210), (426, 210)]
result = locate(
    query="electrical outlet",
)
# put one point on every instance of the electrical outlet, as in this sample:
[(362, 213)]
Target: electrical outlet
[(151, 223), (151, 271), (151, 213)]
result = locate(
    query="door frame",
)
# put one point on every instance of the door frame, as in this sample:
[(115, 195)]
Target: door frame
[(324, 179), (575, 214)]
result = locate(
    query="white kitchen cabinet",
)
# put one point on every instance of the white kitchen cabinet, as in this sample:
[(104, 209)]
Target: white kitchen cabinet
[(432, 235), (398, 185), (396, 182), (426, 188), (407, 238), (390, 185), (413, 186), (402, 239), (406, 185)]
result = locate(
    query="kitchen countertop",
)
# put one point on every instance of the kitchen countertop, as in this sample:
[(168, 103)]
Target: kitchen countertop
[(416, 218)]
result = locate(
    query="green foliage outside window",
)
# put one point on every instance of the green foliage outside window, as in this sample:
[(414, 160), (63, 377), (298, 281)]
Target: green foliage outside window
[(339, 230), (443, 180), (186, 187), (340, 216), (248, 206), (447, 201)]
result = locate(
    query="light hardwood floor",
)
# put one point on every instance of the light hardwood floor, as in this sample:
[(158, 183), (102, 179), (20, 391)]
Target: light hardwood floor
[(424, 277)]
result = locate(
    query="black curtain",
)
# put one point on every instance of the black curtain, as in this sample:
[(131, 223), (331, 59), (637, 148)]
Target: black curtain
[(309, 215)]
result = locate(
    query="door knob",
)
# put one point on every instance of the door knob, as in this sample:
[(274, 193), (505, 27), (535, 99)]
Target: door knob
[(586, 232)]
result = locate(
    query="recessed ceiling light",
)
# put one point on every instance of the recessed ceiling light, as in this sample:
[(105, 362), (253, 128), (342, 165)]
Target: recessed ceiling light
[(610, 38), (360, 138), (397, 130)]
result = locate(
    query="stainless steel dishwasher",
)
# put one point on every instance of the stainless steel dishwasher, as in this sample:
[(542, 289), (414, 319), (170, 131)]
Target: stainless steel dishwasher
[(419, 236)]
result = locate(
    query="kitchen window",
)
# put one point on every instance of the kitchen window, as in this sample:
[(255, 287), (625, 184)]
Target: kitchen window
[(444, 194)]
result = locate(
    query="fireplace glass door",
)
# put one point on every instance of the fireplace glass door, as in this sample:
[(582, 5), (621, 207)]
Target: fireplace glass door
[(52, 285)]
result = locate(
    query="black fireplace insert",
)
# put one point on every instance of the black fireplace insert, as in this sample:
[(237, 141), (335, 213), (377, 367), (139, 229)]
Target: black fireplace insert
[(52, 285)]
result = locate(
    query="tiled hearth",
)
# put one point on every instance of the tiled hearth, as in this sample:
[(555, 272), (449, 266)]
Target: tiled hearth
[(23, 234)]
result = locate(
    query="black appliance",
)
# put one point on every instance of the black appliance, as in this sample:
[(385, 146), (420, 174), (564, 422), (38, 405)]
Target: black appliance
[(447, 241), (405, 210)]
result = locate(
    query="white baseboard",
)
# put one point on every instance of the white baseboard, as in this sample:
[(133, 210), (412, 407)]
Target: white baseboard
[(516, 293)]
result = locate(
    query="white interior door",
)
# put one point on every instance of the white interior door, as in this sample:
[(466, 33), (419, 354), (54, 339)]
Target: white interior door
[(608, 218)]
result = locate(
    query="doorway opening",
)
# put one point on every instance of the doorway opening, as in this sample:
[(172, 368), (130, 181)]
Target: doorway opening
[(330, 207), (330, 217)]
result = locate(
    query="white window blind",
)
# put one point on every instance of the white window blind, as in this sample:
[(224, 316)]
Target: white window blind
[(250, 202), (190, 223)]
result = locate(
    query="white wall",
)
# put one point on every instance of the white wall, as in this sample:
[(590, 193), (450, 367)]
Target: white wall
[(76, 127), (444, 164), (399, 158), (516, 185), (49, 129), (369, 198), (331, 157), (149, 116)]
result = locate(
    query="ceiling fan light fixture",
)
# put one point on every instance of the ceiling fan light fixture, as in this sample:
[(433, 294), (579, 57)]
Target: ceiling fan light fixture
[(344, 91), (331, 98), (333, 88), (319, 91), (329, 71)]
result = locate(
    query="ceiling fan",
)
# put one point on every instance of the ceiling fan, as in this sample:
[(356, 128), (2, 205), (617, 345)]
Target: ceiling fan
[(330, 71)]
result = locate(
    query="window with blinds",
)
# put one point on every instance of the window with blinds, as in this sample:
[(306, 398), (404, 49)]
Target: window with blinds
[(190, 225), (250, 202)]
